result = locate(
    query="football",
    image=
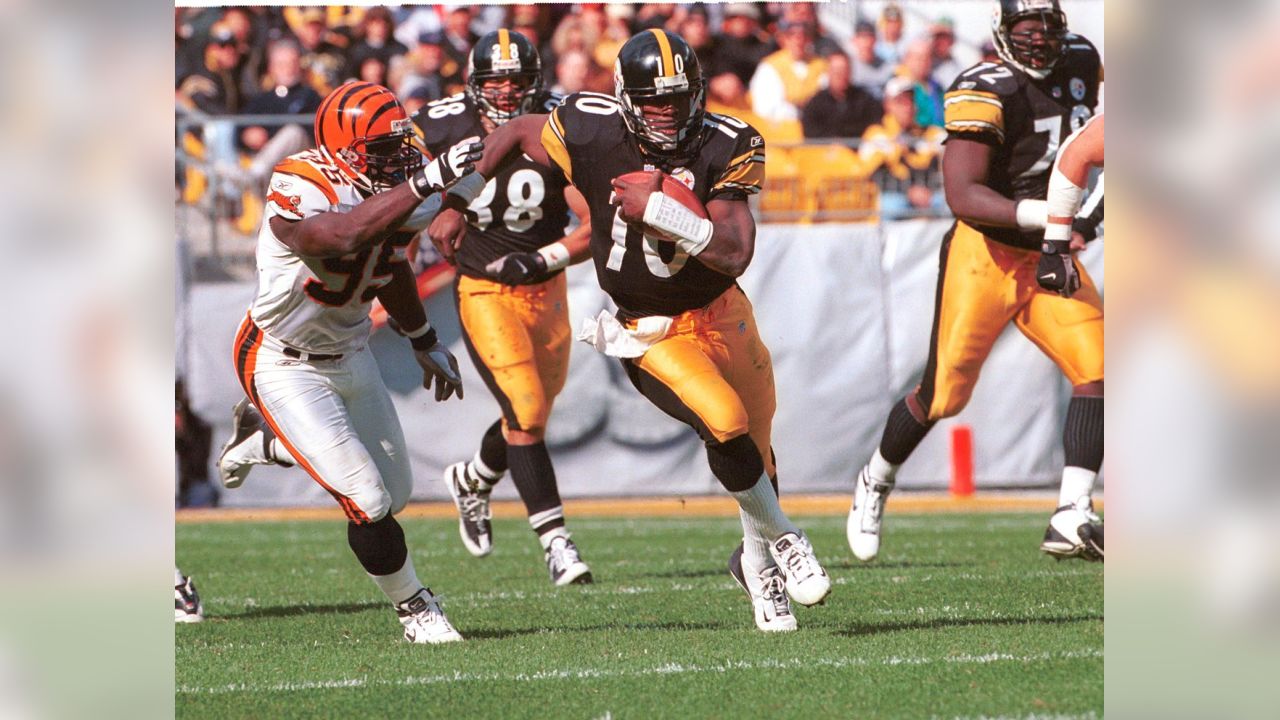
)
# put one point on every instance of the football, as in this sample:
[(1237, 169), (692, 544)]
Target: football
[(673, 188)]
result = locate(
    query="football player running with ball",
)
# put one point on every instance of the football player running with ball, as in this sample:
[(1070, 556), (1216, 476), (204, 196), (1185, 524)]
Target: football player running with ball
[(337, 222), (685, 332), (1005, 122), (511, 296)]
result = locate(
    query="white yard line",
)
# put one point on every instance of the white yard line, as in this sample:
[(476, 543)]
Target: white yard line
[(800, 663)]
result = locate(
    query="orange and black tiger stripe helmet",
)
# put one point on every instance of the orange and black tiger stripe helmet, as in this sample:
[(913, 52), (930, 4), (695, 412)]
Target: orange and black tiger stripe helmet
[(364, 130)]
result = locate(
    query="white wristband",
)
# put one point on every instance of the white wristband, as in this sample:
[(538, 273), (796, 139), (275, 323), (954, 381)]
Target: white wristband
[(556, 255), (468, 187), (1032, 214), (411, 334), (1057, 232), (691, 233)]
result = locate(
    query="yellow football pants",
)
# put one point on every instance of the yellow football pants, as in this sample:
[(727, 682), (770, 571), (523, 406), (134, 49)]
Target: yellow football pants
[(982, 285), (518, 337), (713, 372)]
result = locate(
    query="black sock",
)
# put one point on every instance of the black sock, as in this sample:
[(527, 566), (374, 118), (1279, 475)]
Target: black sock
[(774, 480), (1082, 436), (379, 546), (493, 449), (535, 480), (736, 463), (902, 433)]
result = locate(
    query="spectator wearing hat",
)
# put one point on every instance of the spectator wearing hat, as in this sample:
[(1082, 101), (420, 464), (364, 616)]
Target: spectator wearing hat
[(889, 46), (785, 80), (213, 88), (917, 66), (805, 12), (870, 71), (842, 109), (903, 154), (428, 66), (376, 40), (739, 47), (948, 61), (322, 60)]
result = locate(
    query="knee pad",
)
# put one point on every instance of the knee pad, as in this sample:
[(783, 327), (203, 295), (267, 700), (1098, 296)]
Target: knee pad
[(736, 463)]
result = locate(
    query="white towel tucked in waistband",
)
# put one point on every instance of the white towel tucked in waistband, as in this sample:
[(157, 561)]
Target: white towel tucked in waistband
[(612, 338)]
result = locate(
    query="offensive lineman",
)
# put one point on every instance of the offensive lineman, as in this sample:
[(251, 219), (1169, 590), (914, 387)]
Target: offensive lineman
[(511, 297), (1004, 122), (685, 332), (328, 246)]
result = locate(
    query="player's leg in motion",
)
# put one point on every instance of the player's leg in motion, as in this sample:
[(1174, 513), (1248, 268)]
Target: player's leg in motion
[(971, 309), (251, 443), (702, 374), (518, 338), (1069, 331), (338, 423)]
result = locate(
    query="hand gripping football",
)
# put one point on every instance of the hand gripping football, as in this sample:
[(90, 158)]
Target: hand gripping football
[(672, 188)]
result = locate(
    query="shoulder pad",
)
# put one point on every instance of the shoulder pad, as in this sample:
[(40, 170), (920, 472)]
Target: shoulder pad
[(995, 78), (445, 121)]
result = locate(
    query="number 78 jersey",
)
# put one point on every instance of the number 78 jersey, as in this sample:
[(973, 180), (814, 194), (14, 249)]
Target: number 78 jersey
[(588, 139), (520, 210)]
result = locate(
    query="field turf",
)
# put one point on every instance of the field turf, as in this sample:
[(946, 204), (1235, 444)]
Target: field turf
[(961, 616)]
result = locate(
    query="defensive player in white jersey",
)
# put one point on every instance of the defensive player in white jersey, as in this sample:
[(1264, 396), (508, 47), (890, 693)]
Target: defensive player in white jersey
[(332, 240)]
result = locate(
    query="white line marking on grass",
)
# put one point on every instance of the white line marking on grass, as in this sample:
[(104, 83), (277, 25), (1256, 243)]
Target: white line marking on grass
[(799, 663)]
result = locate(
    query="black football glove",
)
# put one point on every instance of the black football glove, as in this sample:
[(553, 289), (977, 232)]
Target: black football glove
[(1057, 270), (519, 268)]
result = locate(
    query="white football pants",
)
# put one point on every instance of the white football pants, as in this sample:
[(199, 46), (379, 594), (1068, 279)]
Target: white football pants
[(336, 419)]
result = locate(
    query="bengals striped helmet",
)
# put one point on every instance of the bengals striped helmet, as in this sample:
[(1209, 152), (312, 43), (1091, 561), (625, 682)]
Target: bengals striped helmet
[(364, 130)]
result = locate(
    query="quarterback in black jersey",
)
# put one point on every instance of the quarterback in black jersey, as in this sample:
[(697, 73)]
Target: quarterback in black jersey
[(1005, 122), (511, 296), (685, 331)]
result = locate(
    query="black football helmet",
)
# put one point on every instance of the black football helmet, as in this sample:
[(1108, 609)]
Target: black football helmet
[(499, 55), (1034, 55), (653, 67)]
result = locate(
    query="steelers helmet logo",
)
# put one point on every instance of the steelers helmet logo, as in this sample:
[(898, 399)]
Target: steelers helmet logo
[(1077, 89)]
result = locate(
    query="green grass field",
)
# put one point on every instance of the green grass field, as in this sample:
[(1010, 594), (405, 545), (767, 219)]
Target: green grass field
[(960, 616)]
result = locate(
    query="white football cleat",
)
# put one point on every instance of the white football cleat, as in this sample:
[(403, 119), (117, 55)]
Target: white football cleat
[(866, 515), (424, 621), (768, 594), (248, 445), (1074, 531), (806, 582), (564, 564), (474, 512), (187, 607)]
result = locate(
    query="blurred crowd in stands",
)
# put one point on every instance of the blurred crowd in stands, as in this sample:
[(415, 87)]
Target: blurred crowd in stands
[(875, 88)]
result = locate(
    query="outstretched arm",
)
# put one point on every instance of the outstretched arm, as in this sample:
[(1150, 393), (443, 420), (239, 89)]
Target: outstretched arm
[(531, 268), (501, 147)]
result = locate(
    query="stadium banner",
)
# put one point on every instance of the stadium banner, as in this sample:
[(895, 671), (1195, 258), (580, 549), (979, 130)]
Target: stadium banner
[(846, 312)]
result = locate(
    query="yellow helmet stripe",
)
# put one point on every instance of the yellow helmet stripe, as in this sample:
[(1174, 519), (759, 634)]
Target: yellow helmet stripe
[(668, 65), (504, 43)]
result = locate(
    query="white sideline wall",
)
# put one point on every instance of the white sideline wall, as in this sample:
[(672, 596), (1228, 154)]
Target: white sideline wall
[(846, 312)]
